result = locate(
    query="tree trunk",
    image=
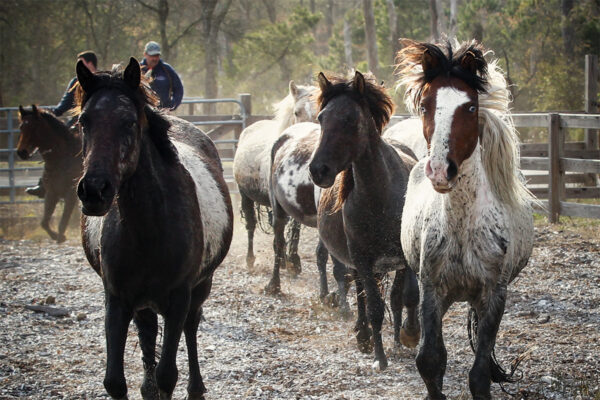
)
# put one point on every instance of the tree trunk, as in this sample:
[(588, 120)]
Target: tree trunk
[(453, 19), (435, 34), (393, 20), (568, 33), (348, 44), (163, 13), (370, 35)]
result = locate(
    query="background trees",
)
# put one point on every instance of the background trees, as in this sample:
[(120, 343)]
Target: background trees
[(224, 47)]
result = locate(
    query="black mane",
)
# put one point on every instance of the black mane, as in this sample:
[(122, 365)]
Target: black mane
[(144, 99)]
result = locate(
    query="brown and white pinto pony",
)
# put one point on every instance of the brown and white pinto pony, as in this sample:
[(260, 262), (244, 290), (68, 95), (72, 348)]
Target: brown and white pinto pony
[(60, 148), (157, 223), (467, 227), (292, 193), (360, 209)]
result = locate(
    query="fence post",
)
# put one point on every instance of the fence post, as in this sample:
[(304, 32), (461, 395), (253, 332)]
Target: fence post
[(246, 100), (191, 108), (591, 107), (555, 153), (11, 156)]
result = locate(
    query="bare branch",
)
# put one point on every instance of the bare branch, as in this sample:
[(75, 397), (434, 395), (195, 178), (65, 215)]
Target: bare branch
[(148, 6)]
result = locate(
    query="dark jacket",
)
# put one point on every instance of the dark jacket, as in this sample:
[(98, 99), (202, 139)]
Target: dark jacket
[(68, 100), (166, 84)]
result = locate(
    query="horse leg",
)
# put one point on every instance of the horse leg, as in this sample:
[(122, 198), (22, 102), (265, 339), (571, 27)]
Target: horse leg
[(147, 324), (279, 220), (432, 356), (484, 369), (196, 388), (397, 302), (294, 264), (70, 201), (340, 273), (249, 215), (363, 332), (322, 254), (175, 317), (50, 202), (410, 332), (116, 322), (375, 310)]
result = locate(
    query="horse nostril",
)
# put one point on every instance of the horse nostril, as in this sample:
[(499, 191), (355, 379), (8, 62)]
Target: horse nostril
[(106, 192), (452, 170)]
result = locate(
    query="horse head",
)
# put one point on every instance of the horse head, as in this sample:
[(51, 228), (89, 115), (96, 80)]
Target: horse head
[(31, 130), (445, 93), (351, 111), (305, 108), (111, 121)]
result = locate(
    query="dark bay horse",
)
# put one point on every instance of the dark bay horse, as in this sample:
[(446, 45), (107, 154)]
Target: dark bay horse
[(60, 148), (253, 157), (292, 193), (360, 211), (157, 223), (467, 227)]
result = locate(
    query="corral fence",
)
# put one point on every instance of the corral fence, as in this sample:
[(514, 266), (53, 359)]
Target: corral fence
[(556, 171)]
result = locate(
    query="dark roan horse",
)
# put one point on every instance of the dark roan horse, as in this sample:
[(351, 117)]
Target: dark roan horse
[(60, 148), (157, 222), (360, 212), (467, 227)]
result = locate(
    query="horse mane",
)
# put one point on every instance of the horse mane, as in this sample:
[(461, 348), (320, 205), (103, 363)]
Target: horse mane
[(284, 110), (409, 68), (144, 99), (499, 138), (374, 98)]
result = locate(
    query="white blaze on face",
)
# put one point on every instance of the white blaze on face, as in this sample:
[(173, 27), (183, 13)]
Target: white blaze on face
[(448, 100), (213, 211)]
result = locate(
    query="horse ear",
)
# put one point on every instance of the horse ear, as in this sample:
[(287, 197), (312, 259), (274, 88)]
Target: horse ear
[(470, 62), (428, 61), (132, 74), (324, 84), (34, 109), (359, 82), (85, 77), (293, 89), (21, 111)]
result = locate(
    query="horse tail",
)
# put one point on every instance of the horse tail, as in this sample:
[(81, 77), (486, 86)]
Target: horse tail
[(498, 374)]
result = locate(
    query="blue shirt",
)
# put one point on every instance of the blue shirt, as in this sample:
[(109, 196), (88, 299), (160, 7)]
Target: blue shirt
[(166, 84), (68, 100)]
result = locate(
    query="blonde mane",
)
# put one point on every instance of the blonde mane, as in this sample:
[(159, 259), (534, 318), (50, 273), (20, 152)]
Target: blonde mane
[(499, 140)]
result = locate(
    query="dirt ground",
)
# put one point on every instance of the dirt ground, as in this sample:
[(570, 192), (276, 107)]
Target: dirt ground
[(254, 346)]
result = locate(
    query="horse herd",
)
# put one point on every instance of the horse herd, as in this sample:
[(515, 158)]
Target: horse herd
[(439, 198)]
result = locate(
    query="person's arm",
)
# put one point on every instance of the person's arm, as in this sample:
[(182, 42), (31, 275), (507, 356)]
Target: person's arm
[(177, 88), (67, 101)]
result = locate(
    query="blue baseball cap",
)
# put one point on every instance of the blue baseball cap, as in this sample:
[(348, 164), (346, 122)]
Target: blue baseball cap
[(152, 48)]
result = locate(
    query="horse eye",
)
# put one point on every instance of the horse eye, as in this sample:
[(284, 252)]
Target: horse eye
[(423, 110), (472, 109)]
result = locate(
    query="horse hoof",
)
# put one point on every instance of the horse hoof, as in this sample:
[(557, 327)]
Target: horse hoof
[(149, 389), (294, 265), (380, 365), (331, 300), (364, 342), (164, 395), (196, 396), (410, 340), (250, 261), (345, 313), (272, 289), (61, 239)]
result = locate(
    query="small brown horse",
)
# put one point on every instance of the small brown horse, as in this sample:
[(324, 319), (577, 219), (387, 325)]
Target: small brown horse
[(60, 148), (360, 211), (157, 223)]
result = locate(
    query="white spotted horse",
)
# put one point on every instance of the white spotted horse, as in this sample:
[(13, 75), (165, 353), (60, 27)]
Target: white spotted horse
[(252, 160), (360, 209), (467, 226), (157, 221)]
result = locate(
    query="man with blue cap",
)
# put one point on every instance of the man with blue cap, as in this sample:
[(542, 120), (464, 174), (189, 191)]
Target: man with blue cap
[(165, 81)]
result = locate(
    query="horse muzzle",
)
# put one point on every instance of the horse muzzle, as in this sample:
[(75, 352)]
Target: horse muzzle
[(96, 195), (23, 154), (442, 175), (321, 174)]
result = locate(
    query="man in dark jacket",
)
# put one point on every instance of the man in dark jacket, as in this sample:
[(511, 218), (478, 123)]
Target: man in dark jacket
[(67, 102), (165, 81)]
